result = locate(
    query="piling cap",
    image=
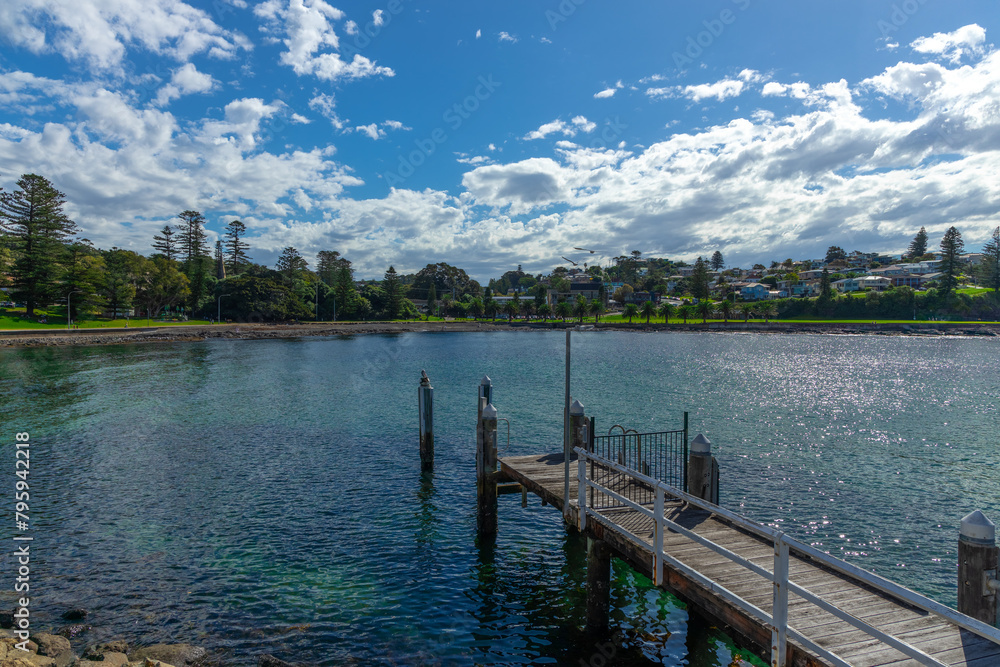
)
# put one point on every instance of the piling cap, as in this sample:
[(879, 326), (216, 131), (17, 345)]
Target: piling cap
[(489, 412), (576, 408), (701, 445), (978, 529), (486, 381)]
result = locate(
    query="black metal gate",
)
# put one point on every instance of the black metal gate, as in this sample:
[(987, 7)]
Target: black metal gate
[(662, 456)]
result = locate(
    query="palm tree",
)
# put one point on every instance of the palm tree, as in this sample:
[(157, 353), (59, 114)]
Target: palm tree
[(727, 309), (746, 309), (527, 309), (544, 311), (767, 308), (511, 308), (648, 310), (582, 307), (666, 310), (563, 309), (476, 307), (686, 311), (631, 310), (704, 309), (597, 309)]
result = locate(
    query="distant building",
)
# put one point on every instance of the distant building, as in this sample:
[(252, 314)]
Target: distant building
[(876, 283), (754, 292)]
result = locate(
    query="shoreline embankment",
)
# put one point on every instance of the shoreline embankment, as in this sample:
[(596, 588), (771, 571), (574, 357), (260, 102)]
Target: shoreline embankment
[(184, 333)]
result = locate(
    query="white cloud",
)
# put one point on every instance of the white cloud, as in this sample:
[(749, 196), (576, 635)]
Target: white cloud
[(830, 174), (798, 90), (395, 125), (98, 33), (479, 33), (577, 124), (371, 130), (967, 40), (326, 105), (185, 80), (474, 160), (378, 18), (300, 120), (720, 90), (309, 36), (610, 91), (507, 37), (351, 28)]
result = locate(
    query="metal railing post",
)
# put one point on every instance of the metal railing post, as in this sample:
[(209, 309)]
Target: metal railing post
[(684, 482), (779, 610), (658, 537), (581, 480)]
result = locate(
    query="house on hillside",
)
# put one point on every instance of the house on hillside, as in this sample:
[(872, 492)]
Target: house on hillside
[(754, 292), (876, 283)]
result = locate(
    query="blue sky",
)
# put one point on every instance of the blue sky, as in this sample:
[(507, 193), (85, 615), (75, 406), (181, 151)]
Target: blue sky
[(488, 135)]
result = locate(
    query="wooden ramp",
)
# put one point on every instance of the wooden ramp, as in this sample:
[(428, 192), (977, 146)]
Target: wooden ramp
[(630, 533)]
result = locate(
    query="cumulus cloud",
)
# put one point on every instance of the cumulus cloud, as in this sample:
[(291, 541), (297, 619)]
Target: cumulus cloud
[(720, 90), (577, 124), (98, 33), (185, 80), (830, 173), (312, 42), (966, 41), (507, 37), (608, 92), (797, 90)]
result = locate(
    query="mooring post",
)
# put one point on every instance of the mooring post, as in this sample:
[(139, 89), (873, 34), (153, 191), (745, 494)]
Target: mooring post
[(486, 470), (485, 391), (702, 481), (425, 403), (977, 568), (598, 585)]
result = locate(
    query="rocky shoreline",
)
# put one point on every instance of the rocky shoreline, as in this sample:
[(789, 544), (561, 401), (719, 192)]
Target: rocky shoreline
[(56, 650), (50, 337)]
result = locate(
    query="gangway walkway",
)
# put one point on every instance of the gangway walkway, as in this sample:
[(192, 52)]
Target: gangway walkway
[(795, 603)]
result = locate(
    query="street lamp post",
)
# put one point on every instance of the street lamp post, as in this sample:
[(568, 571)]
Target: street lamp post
[(219, 310), (69, 308)]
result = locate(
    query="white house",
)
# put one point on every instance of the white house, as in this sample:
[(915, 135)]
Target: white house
[(876, 283)]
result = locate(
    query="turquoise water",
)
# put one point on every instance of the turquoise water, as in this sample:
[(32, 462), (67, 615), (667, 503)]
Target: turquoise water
[(265, 496)]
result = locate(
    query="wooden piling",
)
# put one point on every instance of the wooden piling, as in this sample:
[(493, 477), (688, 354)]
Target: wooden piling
[(702, 480), (977, 568), (425, 403), (598, 586), (486, 469)]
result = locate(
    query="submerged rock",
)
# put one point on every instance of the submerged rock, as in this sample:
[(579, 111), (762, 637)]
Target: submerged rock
[(50, 645), (267, 660), (99, 651), (178, 655), (75, 614)]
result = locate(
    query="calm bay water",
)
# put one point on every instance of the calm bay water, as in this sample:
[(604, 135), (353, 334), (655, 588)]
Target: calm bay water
[(265, 496)]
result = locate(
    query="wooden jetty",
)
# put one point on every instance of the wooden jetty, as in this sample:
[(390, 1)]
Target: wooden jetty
[(773, 595)]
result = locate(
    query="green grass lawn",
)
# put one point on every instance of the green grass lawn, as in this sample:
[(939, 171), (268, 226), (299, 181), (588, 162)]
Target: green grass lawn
[(11, 318)]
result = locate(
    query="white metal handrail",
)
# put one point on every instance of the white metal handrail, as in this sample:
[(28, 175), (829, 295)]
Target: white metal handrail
[(783, 545)]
